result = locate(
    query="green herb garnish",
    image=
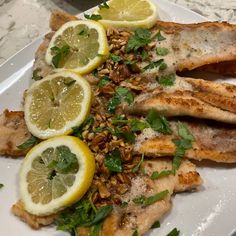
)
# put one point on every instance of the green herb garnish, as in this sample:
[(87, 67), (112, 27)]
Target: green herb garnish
[(153, 64), (59, 54), (84, 33), (29, 143), (122, 94), (174, 232), (129, 62), (144, 55), (163, 66), (128, 136), (95, 231), (93, 17), (101, 214), (113, 161), (135, 233), (157, 175), (115, 57), (1, 185), (166, 80), (141, 38), (156, 225), (35, 74), (136, 168), (124, 204), (137, 125), (159, 37), (104, 81), (145, 201), (162, 51), (158, 122), (103, 5)]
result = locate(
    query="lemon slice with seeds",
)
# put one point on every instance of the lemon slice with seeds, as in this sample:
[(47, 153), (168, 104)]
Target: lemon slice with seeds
[(128, 13), (55, 174), (79, 46), (56, 104)]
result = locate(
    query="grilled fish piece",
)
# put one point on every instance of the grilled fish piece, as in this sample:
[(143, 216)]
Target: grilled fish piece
[(190, 97), (13, 132), (213, 142), (124, 221)]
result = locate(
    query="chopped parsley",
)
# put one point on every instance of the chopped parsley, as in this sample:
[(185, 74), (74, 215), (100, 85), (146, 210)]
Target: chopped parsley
[(115, 57), (103, 5), (59, 54), (163, 66), (174, 232), (141, 38), (145, 201), (182, 145), (1, 185), (137, 125), (113, 161), (157, 175), (35, 74), (159, 36), (162, 51), (93, 17), (154, 64), (104, 81), (29, 143), (158, 122), (124, 204), (78, 130), (82, 214), (128, 136), (144, 55), (156, 225), (129, 62), (136, 168), (83, 33), (95, 231), (65, 160), (166, 80), (122, 94), (135, 233)]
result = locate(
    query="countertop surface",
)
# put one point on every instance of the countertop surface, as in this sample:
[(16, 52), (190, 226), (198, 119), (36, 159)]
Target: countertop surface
[(22, 21)]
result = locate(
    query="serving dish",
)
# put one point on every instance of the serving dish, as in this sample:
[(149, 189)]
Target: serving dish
[(210, 211)]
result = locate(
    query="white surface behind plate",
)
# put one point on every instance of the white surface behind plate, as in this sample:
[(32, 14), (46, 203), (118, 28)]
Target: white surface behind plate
[(208, 212)]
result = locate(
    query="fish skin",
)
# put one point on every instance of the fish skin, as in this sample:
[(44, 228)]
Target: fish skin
[(211, 142), (189, 97), (13, 132)]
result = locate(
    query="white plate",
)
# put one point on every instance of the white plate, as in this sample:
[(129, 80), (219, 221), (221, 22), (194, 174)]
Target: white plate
[(209, 212)]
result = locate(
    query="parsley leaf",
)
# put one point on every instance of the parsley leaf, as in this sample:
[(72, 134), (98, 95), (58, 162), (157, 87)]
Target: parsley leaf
[(158, 123), (29, 143), (103, 5), (145, 201), (156, 225), (141, 38), (84, 33), (126, 135), (166, 80), (162, 51), (137, 125), (59, 54), (104, 81), (124, 204), (157, 175), (113, 161), (154, 64), (1, 185), (135, 233), (101, 214), (136, 168), (163, 66), (115, 57), (96, 229), (129, 62), (35, 74), (144, 55), (78, 130), (93, 17), (65, 161), (182, 145), (122, 94), (159, 36), (174, 232)]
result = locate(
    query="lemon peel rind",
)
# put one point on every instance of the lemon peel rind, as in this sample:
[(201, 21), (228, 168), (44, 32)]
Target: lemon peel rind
[(78, 189), (49, 133)]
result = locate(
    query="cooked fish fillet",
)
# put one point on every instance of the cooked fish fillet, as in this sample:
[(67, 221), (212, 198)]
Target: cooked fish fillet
[(33, 221), (190, 97), (13, 132), (194, 45), (123, 222), (212, 142)]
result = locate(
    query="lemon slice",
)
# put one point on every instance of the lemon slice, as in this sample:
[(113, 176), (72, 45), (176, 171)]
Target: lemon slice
[(56, 104), (128, 13), (79, 46), (55, 174)]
